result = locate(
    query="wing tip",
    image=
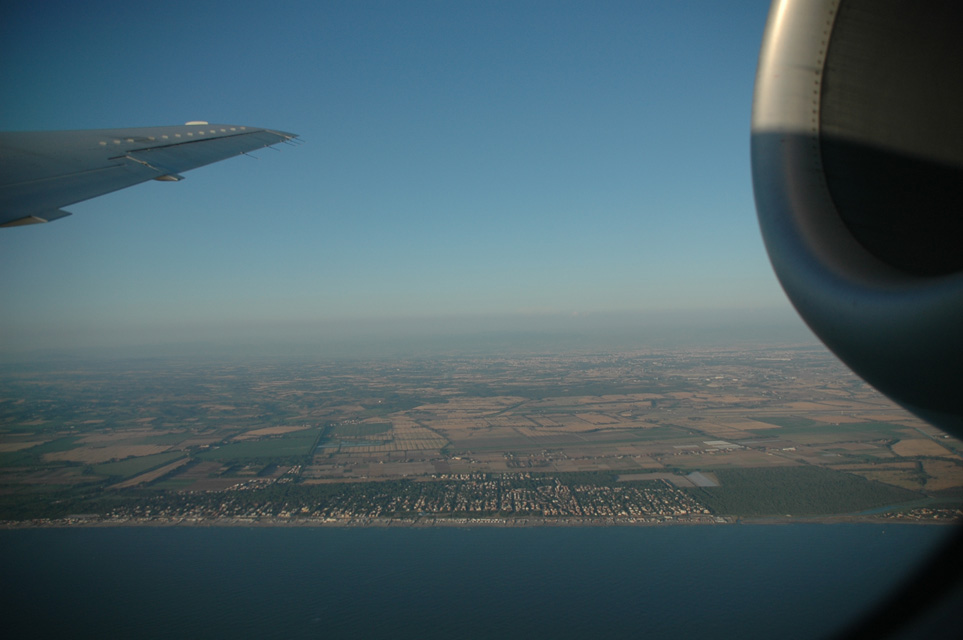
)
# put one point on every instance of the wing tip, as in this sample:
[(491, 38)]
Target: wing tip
[(37, 218)]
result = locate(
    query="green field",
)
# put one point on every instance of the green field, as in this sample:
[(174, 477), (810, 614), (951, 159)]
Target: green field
[(791, 422), (663, 433), (805, 426), (299, 443), (33, 455), (164, 438), (359, 430), (134, 466), (802, 490)]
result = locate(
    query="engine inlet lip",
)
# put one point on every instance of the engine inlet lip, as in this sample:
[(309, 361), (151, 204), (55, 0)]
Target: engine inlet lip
[(897, 329)]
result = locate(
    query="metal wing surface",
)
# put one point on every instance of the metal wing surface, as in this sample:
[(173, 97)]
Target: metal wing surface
[(42, 171)]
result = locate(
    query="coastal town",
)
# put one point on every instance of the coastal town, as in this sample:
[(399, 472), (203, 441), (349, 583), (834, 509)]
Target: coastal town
[(460, 498)]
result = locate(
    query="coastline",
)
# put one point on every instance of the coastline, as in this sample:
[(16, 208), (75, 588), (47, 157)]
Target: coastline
[(82, 521)]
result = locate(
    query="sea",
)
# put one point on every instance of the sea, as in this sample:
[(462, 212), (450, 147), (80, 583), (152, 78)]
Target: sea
[(708, 581)]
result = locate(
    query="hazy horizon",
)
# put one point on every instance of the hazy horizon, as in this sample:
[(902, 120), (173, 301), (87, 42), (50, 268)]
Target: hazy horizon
[(417, 337), (550, 168)]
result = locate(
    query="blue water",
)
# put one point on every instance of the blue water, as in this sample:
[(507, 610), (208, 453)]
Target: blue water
[(793, 581)]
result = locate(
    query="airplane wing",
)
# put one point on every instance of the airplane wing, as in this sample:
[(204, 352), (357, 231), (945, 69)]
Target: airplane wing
[(42, 171)]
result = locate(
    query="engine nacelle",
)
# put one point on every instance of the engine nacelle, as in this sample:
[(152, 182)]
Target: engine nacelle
[(857, 164)]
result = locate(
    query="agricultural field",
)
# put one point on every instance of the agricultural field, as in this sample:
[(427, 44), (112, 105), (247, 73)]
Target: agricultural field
[(296, 444), (798, 490), (134, 465), (781, 416)]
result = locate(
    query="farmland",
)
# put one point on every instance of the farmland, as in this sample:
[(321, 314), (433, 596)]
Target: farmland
[(784, 430)]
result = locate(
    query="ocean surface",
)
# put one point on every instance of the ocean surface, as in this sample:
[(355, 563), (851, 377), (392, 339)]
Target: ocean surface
[(745, 581)]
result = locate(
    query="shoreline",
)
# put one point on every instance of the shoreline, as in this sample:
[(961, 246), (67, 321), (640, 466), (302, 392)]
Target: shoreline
[(81, 521)]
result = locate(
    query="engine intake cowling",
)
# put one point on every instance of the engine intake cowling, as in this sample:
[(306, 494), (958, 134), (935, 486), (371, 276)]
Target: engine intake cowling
[(857, 163)]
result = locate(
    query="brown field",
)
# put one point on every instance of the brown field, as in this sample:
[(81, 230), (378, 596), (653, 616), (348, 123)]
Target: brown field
[(907, 464), (747, 424), (573, 424), (197, 442), (679, 481), (200, 472), (718, 429), (68, 475), (508, 442), (555, 404), (348, 408), (415, 444), (944, 474), (738, 458), (269, 431), (897, 477), (732, 399), (920, 447), (855, 446), (834, 418), (809, 406), (119, 436), (472, 406), (219, 407), (900, 418), (17, 446), (732, 435), (597, 418), (406, 435), (555, 440), (509, 421), (581, 401), (151, 475), (829, 437), (881, 411), (630, 398), (455, 426), (645, 462), (546, 423), (96, 455)]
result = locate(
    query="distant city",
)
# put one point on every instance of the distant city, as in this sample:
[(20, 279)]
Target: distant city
[(698, 436)]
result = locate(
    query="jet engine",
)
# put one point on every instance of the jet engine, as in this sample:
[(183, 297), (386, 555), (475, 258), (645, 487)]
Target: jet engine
[(857, 165)]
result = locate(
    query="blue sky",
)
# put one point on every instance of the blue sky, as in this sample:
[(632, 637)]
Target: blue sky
[(534, 161)]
